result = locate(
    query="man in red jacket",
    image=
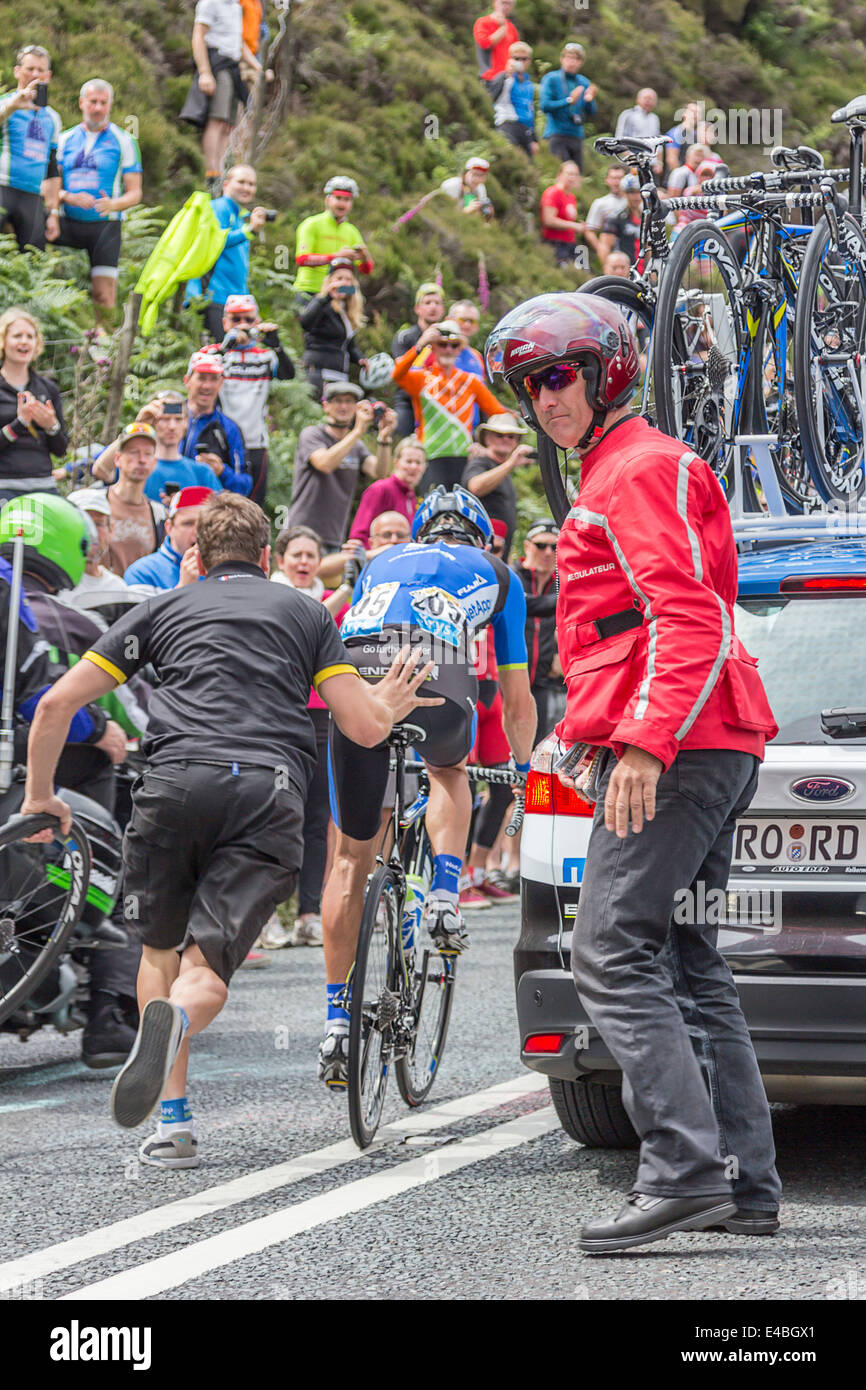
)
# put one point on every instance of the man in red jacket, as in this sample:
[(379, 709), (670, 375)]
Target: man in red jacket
[(658, 679)]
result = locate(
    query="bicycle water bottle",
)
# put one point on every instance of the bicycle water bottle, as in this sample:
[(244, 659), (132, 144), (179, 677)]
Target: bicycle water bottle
[(416, 892)]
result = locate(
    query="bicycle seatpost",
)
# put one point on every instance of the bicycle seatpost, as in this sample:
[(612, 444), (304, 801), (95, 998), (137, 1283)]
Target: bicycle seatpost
[(7, 714), (855, 190)]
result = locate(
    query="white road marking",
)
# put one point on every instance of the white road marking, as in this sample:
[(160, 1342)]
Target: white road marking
[(104, 1239), (170, 1271)]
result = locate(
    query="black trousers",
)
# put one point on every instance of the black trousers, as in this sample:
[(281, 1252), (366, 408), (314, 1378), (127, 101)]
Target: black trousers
[(567, 147)]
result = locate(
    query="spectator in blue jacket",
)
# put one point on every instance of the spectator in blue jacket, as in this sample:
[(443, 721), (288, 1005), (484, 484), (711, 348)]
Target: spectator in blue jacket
[(231, 271), (513, 93), (568, 99), (212, 437), (164, 569)]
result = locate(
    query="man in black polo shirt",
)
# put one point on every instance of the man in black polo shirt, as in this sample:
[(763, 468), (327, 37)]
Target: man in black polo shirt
[(215, 839)]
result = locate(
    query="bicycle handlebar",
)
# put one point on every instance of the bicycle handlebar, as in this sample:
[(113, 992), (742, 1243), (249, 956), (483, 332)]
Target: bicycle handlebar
[(769, 183), (723, 203), (509, 776)]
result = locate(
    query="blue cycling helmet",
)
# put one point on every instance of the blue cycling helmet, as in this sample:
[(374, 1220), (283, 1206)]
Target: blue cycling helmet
[(456, 511)]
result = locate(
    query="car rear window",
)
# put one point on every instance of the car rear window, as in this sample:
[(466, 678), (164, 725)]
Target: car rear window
[(812, 656)]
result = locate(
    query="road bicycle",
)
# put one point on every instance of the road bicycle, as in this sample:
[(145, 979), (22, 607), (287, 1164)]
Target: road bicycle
[(830, 331), (401, 989)]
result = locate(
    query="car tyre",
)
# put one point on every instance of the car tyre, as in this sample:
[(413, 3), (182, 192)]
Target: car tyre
[(593, 1114)]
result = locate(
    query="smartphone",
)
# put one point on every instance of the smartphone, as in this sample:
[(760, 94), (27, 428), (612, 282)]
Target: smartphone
[(170, 489), (172, 408), (41, 97)]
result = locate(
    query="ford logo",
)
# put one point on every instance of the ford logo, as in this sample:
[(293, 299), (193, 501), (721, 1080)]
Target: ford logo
[(822, 789)]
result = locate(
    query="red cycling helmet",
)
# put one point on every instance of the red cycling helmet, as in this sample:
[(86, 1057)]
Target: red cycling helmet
[(565, 327)]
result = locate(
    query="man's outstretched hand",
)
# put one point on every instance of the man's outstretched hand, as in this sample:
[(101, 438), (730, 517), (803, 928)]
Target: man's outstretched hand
[(631, 791), (398, 689)]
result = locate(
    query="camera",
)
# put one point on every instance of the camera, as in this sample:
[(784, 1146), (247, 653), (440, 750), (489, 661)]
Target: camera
[(172, 408), (379, 409), (533, 454), (270, 214), (41, 97), (170, 489)]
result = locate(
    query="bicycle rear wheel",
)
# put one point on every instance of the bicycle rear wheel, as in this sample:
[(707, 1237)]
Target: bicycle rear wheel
[(830, 361), (640, 314), (375, 1003), (42, 894), (696, 347)]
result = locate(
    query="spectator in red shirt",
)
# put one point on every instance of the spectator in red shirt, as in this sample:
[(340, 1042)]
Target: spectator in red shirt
[(494, 34), (395, 493), (559, 224)]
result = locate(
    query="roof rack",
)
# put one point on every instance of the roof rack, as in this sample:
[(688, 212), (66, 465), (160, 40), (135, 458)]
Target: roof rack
[(757, 529)]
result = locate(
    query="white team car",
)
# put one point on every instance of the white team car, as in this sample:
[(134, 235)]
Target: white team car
[(793, 923)]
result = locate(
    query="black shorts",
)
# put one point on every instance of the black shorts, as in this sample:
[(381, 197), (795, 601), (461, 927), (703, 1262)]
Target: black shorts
[(358, 776), (101, 241), (25, 213), (565, 147), (208, 854)]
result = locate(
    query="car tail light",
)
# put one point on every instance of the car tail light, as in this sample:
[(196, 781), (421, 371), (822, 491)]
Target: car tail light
[(546, 796), (822, 583), (544, 1042)]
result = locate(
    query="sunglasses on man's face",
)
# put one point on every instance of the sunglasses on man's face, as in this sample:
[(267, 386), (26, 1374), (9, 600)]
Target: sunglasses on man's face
[(240, 319), (555, 378), (544, 545)]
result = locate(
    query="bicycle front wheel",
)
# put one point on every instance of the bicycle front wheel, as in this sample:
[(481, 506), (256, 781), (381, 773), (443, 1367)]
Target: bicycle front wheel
[(830, 364), (375, 1004), (696, 347), (42, 893)]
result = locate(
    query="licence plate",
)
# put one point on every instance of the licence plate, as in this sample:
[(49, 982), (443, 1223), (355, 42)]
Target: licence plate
[(834, 848)]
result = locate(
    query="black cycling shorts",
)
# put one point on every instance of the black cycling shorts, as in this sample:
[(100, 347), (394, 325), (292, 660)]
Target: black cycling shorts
[(101, 241), (25, 213), (358, 776), (209, 852)]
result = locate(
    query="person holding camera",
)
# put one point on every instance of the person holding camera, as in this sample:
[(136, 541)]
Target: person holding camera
[(468, 189), (29, 128), (252, 357), (444, 400), (213, 437), (329, 236), (568, 99), (230, 274), (167, 416), (329, 458), (488, 475), (330, 321)]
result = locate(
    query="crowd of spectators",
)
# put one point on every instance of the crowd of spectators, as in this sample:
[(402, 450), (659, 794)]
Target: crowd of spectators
[(360, 469)]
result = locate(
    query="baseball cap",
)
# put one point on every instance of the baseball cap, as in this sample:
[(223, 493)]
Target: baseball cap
[(500, 424), (136, 429), (341, 263), (205, 362), (476, 162), (426, 287), (500, 528), (574, 48), (189, 497), (541, 528), (240, 304), (341, 388), (449, 328), (89, 499)]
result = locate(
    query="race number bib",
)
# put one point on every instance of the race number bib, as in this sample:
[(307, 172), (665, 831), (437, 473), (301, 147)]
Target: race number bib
[(368, 614), (438, 613)]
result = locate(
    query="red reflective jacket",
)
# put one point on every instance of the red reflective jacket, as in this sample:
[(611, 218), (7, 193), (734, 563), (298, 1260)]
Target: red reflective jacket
[(650, 531)]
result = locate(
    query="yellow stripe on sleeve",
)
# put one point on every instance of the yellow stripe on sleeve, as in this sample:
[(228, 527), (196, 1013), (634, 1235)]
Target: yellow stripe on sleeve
[(343, 670), (106, 665), (512, 666)]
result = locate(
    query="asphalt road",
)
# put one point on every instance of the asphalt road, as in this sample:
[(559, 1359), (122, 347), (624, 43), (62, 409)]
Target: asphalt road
[(479, 1196)]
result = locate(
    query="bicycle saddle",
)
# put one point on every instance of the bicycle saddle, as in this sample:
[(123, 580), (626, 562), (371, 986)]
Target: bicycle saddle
[(614, 144), (854, 111), (403, 735)]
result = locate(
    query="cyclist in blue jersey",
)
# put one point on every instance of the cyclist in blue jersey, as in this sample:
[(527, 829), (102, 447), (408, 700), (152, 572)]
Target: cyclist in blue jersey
[(100, 169), (433, 594), (28, 148)]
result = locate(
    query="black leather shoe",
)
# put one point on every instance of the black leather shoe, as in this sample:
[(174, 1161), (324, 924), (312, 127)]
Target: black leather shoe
[(108, 1038), (748, 1222), (643, 1218)]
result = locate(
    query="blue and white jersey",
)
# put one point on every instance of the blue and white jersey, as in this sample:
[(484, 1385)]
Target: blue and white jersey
[(99, 170), (27, 139), (449, 591)]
